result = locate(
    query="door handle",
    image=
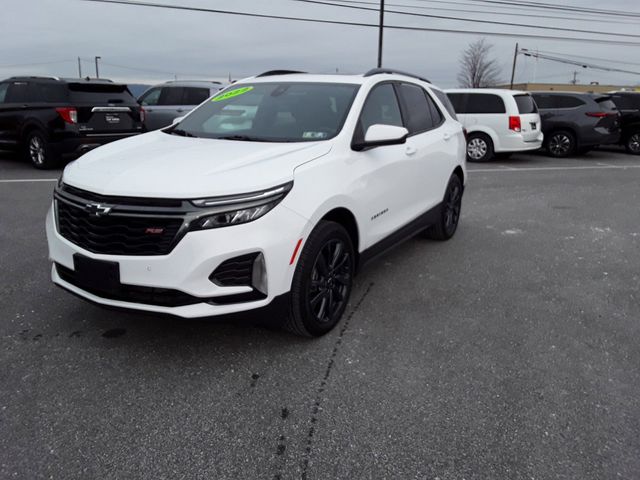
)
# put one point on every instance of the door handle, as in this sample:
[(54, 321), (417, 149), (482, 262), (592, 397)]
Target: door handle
[(410, 150), (180, 110), (447, 136)]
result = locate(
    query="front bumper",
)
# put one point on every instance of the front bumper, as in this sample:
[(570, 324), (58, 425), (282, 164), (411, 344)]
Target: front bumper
[(188, 266)]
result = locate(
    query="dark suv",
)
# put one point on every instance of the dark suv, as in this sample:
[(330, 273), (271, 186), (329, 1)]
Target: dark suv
[(577, 122), (628, 104), (48, 118)]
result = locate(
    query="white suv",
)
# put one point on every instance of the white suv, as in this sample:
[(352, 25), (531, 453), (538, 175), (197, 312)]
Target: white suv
[(271, 194), (497, 121)]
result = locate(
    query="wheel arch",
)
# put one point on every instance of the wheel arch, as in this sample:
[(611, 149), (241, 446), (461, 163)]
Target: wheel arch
[(347, 219), (485, 131)]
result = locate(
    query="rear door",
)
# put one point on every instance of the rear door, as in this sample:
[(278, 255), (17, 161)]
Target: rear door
[(529, 117), (105, 109), (428, 149)]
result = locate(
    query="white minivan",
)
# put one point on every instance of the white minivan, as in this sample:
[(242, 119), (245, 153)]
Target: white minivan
[(498, 121)]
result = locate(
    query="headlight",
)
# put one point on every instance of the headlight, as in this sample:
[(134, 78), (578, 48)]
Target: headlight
[(237, 209)]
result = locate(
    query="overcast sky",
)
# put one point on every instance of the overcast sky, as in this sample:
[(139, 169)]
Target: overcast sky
[(44, 37)]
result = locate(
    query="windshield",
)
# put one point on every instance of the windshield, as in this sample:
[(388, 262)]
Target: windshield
[(272, 112)]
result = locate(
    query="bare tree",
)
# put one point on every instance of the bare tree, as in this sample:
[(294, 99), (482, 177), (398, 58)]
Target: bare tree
[(477, 69)]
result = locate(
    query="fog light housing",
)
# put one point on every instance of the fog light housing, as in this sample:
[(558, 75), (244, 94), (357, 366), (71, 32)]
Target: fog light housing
[(259, 274)]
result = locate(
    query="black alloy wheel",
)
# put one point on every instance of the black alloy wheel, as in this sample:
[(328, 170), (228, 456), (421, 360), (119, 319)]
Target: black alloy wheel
[(561, 144), (322, 281), (451, 207)]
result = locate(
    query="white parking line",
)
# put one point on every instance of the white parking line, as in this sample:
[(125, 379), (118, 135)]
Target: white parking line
[(24, 180), (541, 169)]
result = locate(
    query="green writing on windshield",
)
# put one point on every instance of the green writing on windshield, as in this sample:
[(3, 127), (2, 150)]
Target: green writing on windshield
[(231, 94)]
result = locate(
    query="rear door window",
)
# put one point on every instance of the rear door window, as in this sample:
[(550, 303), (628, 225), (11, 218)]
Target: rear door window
[(171, 96), (195, 96), (416, 108), (566, 101), (525, 104)]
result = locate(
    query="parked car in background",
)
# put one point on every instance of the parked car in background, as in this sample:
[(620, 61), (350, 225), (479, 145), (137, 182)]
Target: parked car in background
[(49, 118), (575, 122), (498, 121), (212, 216), (163, 103), (628, 104)]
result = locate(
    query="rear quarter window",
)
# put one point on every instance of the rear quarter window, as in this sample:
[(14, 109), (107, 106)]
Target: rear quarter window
[(478, 103), (564, 101), (606, 104), (446, 102), (195, 96), (526, 104)]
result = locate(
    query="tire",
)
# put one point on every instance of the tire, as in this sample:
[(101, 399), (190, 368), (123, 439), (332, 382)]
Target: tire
[(449, 217), (632, 143), (38, 151), (322, 281), (560, 144), (479, 148)]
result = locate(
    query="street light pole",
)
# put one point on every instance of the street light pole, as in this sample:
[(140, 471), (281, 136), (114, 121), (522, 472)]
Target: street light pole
[(380, 32), (79, 68), (97, 73)]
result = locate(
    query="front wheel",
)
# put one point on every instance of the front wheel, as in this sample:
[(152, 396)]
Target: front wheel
[(633, 144), (447, 222), (322, 281)]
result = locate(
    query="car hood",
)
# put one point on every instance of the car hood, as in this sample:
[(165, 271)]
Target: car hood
[(157, 164)]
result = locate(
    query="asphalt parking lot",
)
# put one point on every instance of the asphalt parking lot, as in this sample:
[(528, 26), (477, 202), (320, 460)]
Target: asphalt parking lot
[(510, 352)]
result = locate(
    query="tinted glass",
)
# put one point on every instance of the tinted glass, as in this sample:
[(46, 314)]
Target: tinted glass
[(446, 102), (171, 96), (17, 92), (49, 92), (477, 103), (543, 101), (606, 104), (416, 108), (100, 94), (525, 104), (3, 91), (565, 101), (436, 114), (627, 101), (381, 107), (272, 112), (150, 97), (195, 96)]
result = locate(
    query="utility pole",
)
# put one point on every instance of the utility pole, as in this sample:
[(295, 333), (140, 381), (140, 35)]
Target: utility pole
[(575, 78), (79, 68), (380, 31), (513, 69), (97, 73)]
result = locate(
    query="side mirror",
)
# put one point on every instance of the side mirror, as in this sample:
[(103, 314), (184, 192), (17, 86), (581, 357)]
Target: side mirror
[(379, 135), (177, 120)]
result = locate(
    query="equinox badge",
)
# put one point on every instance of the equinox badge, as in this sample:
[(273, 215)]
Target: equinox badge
[(97, 209)]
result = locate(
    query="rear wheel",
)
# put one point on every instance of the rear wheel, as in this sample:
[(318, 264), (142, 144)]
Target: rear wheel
[(322, 281), (633, 143), (39, 152), (447, 223), (560, 144), (479, 148)]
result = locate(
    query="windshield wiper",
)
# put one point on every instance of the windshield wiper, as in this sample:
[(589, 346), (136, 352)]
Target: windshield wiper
[(241, 138), (182, 133)]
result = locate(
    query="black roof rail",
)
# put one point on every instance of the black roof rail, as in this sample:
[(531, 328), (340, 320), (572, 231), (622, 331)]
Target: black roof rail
[(379, 71), (278, 72)]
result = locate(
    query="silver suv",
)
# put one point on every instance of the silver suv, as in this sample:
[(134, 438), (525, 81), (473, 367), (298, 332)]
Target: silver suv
[(162, 103)]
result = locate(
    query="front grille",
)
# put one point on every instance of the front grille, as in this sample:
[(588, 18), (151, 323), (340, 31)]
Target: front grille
[(117, 234), (234, 272)]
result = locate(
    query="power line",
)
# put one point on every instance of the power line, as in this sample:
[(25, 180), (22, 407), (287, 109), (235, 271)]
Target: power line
[(370, 25), (460, 19), (487, 12), (568, 8), (568, 61)]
